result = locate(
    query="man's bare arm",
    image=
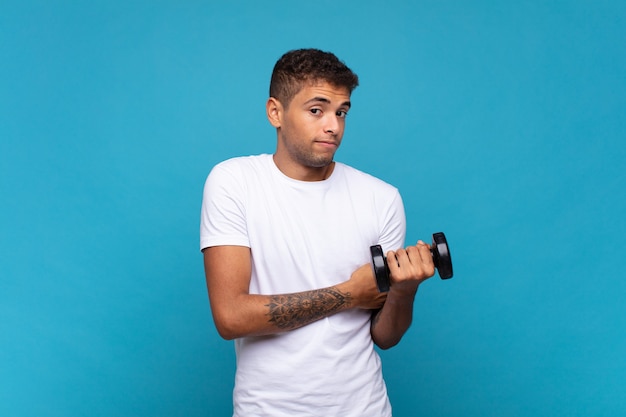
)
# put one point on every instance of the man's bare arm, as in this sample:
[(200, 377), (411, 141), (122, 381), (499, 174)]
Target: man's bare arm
[(290, 311), (238, 313), (408, 269)]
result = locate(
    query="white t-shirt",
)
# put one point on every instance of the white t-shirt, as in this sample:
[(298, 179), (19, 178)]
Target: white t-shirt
[(304, 236)]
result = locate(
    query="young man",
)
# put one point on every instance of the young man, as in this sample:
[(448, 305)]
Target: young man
[(286, 242)]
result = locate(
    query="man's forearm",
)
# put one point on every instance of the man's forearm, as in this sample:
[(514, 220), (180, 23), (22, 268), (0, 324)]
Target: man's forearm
[(392, 321), (237, 313), (290, 311), (259, 315)]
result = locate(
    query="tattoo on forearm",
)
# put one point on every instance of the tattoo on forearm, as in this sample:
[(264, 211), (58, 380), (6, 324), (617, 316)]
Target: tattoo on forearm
[(291, 311)]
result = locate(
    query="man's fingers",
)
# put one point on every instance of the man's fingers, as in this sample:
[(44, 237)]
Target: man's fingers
[(414, 262), (425, 254), (401, 257)]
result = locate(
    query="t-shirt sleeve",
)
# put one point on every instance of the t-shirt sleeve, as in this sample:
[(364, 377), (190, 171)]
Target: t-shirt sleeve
[(223, 217), (393, 230)]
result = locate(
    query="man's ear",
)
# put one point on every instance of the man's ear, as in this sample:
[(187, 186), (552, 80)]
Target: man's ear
[(274, 110)]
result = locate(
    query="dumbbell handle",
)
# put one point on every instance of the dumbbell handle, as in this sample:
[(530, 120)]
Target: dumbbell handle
[(441, 258)]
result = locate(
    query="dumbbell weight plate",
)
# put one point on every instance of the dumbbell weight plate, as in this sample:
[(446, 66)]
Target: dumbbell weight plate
[(441, 255), (381, 272)]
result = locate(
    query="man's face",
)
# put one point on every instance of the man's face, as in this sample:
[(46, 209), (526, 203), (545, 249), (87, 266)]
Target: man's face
[(310, 129)]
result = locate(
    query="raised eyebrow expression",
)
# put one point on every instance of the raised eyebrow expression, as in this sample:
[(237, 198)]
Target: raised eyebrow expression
[(345, 106)]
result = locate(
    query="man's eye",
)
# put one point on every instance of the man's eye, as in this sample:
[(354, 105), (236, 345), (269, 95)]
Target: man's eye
[(342, 113), (316, 111)]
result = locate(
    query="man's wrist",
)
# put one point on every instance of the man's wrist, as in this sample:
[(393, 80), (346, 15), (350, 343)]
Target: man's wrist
[(402, 292)]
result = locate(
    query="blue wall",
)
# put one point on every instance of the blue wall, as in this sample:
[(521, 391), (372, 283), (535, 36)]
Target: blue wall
[(502, 123)]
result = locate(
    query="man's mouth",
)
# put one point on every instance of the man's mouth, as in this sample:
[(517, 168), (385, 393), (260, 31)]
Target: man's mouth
[(327, 143)]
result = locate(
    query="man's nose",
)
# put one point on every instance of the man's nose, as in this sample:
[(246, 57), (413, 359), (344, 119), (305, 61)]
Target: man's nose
[(332, 125)]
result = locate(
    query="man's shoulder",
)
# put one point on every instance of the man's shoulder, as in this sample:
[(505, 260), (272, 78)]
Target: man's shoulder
[(357, 176), (244, 161), (241, 165)]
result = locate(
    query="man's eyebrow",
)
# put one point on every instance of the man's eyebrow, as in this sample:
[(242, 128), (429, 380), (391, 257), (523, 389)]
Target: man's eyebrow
[(326, 101)]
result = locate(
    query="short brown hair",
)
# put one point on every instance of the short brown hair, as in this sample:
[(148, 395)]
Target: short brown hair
[(298, 67)]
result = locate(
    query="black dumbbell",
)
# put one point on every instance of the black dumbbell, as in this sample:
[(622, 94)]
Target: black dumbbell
[(441, 258)]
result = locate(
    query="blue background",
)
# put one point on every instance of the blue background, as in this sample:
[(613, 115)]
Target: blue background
[(502, 123)]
